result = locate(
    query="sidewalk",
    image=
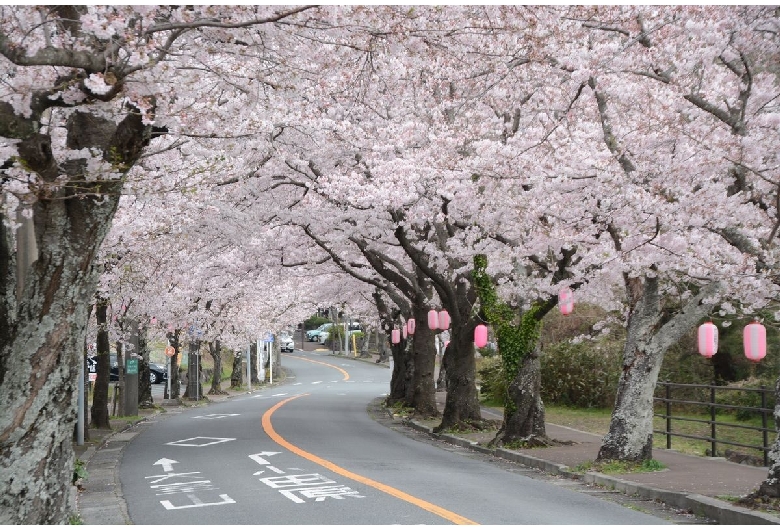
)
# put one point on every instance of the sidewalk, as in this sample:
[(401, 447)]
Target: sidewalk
[(689, 482)]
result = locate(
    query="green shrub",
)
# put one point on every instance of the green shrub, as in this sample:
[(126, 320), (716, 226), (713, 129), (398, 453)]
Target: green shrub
[(585, 374), (746, 399), (79, 471), (492, 381), (313, 322)]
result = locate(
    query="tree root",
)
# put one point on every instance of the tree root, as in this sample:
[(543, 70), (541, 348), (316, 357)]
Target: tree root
[(527, 442)]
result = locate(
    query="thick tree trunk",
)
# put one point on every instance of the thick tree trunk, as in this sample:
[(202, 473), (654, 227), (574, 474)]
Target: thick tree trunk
[(237, 377), (194, 388), (41, 342), (462, 402), (99, 412), (401, 388), (424, 361), (215, 350), (524, 419), (630, 436)]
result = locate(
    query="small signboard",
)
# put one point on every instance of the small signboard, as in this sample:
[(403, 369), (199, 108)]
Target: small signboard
[(170, 351), (269, 337), (132, 366)]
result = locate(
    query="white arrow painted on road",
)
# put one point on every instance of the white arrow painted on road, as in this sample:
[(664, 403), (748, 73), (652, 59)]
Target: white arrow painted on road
[(262, 461), (166, 463)]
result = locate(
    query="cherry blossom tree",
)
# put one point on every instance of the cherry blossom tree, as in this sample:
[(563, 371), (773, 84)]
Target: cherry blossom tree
[(85, 91)]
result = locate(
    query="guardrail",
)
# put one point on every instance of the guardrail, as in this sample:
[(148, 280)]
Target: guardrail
[(713, 406)]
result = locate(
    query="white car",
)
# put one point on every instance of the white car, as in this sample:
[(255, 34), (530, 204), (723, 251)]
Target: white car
[(286, 343)]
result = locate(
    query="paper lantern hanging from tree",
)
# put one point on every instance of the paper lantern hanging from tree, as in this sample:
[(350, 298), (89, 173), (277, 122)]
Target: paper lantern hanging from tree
[(754, 341), (708, 339), (480, 336), (566, 301), (410, 325), (444, 319), (395, 336), (433, 319)]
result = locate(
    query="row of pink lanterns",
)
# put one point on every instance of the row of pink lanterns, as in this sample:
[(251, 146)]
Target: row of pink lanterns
[(753, 341), (436, 320), (565, 304)]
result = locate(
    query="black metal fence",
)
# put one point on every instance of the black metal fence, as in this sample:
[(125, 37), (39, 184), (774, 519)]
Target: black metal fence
[(688, 401)]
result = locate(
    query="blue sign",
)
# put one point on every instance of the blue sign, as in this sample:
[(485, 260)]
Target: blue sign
[(269, 337)]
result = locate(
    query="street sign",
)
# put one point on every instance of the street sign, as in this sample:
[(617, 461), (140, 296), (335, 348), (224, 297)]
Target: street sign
[(170, 351), (132, 366), (269, 337)]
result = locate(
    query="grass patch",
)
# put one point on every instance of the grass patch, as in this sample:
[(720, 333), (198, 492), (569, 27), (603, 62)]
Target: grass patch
[(596, 421), (79, 471), (128, 419), (618, 467)]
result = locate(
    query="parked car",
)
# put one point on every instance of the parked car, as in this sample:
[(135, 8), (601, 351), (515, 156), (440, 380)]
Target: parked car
[(286, 343), (157, 372), (325, 335), (313, 334)]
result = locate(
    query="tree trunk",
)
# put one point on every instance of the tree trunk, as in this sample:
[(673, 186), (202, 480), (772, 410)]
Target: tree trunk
[(237, 377), (424, 362), (401, 378), (99, 413), (173, 386), (462, 402), (253, 353), (383, 347), (194, 388), (120, 385), (145, 399), (630, 436), (524, 413), (441, 380), (216, 380), (41, 342)]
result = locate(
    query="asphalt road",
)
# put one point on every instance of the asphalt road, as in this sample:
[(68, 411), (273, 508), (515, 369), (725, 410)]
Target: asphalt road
[(309, 453)]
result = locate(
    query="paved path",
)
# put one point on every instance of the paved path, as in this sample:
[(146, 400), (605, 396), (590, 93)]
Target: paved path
[(688, 482)]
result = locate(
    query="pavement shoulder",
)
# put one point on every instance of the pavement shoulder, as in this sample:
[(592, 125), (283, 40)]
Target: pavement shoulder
[(702, 506)]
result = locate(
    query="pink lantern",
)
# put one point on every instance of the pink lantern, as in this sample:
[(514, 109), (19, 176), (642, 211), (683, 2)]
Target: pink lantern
[(708, 339), (444, 319), (566, 301), (410, 326), (480, 335), (433, 319), (395, 336), (403, 331), (755, 341)]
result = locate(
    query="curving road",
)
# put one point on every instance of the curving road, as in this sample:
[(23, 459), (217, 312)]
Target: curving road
[(308, 453)]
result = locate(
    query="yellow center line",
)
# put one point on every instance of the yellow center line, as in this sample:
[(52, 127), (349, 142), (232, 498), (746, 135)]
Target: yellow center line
[(343, 372), (438, 510)]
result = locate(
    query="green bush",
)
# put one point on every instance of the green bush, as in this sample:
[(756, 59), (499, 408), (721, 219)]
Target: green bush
[(314, 321), (741, 398), (584, 375), (492, 381)]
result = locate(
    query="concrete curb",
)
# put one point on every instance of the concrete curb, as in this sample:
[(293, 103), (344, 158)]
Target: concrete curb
[(700, 505)]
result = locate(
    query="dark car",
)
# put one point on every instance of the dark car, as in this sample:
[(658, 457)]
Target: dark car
[(157, 372)]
